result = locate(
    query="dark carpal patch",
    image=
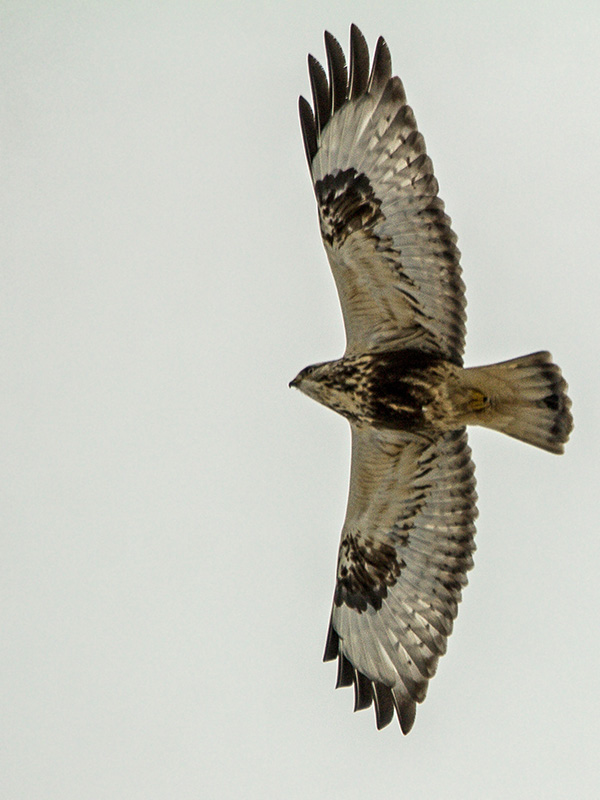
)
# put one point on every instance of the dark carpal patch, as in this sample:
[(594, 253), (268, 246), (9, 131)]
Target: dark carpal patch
[(347, 203), (366, 571)]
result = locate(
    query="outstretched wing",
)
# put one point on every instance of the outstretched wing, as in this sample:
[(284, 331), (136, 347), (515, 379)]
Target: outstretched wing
[(406, 547), (389, 243)]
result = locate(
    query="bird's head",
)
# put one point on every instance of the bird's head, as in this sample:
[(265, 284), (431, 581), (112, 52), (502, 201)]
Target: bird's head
[(331, 383), (310, 379)]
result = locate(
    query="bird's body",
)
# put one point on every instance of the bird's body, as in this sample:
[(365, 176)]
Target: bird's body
[(407, 540), (415, 391), (396, 389)]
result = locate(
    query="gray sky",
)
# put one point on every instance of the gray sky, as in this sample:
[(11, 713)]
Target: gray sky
[(171, 510)]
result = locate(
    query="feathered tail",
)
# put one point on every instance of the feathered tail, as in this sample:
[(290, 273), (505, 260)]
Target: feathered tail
[(525, 398)]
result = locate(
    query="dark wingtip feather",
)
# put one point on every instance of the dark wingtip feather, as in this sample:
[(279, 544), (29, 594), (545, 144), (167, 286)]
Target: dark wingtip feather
[(382, 67), (329, 95), (338, 74), (363, 691), (345, 675), (309, 130), (407, 711), (359, 63), (331, 645), (320, 92), (384, 705)]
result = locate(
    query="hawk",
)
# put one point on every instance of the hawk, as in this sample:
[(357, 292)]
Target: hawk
[(407, 540)]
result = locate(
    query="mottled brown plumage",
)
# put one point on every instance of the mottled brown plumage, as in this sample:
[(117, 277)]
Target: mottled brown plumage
[(407, 540)]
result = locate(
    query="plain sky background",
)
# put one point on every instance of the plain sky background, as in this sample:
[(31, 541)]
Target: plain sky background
[(171, 510)]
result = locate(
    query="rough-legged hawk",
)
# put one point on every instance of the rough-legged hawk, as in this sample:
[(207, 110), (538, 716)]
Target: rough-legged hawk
[(407, 540)]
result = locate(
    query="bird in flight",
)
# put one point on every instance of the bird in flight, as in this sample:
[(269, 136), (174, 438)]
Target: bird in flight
[(407, 540)]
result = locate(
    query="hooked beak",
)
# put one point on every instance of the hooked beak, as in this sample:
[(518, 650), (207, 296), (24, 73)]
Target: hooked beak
[(295, 382)]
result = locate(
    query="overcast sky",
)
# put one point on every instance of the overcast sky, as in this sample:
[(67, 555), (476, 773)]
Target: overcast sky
[(171, 510)]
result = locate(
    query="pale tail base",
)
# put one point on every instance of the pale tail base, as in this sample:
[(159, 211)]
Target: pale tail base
[(524, 398)]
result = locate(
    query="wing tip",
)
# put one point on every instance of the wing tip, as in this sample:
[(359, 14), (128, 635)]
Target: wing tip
[(320, 92), (384, 705), (359, 63), (345, 674), (309, 130), (332, 645), (368, 692), (331, 92), (363, 691), (406, 711), (381, 71), (338, 73)]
